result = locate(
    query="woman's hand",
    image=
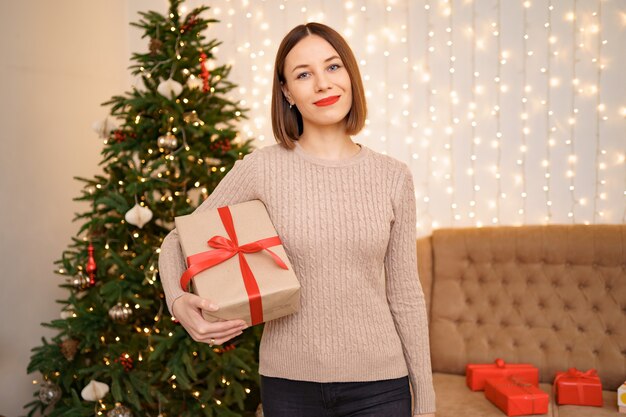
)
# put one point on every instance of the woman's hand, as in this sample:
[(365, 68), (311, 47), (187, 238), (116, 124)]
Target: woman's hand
[(188, 311)]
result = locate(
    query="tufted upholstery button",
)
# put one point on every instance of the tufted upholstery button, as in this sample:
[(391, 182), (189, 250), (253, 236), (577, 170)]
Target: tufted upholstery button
[(567, 306), (608, 332), (556, 327), (595, 308), (542, 346), (594, 265), (515, 343), (581, 329), (595, 352), (468, 301), (608, 287), (555, 283), (568, 348), (568, 264)]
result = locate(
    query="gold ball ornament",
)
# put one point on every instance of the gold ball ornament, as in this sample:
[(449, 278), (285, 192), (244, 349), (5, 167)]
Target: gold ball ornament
[(49, 393), (191, 117), (167, 141), (79, 281), (69, 347), (120, 411), (120, 313)]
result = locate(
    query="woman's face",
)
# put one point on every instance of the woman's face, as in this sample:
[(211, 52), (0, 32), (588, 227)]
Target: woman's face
[(313, 72)]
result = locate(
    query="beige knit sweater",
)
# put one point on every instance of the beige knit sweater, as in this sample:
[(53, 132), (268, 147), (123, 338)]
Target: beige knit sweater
[(345, 226)]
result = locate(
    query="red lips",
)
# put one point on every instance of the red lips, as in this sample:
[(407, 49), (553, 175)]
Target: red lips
[(327, 101)]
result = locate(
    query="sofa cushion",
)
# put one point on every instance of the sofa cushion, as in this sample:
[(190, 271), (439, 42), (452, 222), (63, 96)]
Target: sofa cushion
[(553, 296)]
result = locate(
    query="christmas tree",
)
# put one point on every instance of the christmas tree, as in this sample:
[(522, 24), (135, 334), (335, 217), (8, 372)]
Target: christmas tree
[(167, 144)]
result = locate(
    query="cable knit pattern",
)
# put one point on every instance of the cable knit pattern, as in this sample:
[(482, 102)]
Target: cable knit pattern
[(345, 226)]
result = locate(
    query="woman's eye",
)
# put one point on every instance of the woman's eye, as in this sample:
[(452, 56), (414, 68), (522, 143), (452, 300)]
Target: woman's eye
[(334, 65), (301, 74)]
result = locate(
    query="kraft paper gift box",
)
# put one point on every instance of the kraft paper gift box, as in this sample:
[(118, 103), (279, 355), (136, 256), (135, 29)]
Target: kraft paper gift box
[(575, 387), (477, 374), (516, 397), (236, 260)]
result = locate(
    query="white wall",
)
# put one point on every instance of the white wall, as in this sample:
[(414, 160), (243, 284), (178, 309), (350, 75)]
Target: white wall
[(60, 60)]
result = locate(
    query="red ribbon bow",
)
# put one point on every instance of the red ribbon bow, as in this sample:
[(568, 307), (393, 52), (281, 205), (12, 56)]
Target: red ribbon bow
[(227, 248)]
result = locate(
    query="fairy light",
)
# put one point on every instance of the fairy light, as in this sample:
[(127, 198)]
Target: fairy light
[(498, 137), (521, 178), (448, 11), (426, 77), (599, 164), (548, 116), (571, 160), (384, 44)]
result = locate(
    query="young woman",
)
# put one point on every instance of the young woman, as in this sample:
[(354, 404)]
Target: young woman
[(346, 217)]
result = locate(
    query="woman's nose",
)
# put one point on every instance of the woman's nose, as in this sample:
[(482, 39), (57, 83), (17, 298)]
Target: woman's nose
[(322, 83)]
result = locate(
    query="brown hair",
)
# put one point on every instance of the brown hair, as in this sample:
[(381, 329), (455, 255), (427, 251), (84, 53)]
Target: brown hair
[(287, 123)]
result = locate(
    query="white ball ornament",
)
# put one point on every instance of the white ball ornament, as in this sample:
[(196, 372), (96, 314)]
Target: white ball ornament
[(104, 127), (170, 88), (138, 215), (194, 83), (94, 391)]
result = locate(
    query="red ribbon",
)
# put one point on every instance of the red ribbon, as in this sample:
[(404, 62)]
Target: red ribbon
[(525, 387), (227, 248), (575, 373)]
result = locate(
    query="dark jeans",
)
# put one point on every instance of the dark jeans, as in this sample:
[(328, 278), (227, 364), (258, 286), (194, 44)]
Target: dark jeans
[(287, 398)]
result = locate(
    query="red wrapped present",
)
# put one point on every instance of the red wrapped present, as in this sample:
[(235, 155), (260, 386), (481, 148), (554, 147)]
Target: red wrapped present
[(516, 397), (476, 374), (230, 263), (575, 387)]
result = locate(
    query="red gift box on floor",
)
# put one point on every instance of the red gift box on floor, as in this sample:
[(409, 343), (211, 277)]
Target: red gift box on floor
[(578, 388), (516, 397), (477, 374)]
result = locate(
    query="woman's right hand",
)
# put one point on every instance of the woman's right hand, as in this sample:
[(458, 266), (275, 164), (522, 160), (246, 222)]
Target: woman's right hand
[(188, 311)]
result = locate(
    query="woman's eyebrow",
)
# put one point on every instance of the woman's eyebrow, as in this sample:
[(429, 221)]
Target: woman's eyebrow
[(306, 65)]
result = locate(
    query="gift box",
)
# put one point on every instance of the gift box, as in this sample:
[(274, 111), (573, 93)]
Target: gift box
[(621, 398), (477, 374), (236, 259), (516, 397), (578, 388)]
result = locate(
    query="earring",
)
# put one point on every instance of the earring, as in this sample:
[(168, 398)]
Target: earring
[(290, 106)]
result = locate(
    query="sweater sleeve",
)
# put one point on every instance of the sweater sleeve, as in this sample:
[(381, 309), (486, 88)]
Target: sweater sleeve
[(237, 186), (405, 295)]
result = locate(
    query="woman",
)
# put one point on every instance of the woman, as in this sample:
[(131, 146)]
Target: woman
[(344, 214)]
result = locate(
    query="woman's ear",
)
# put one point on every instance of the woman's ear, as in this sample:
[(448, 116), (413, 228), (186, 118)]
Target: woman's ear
[(285, 90)]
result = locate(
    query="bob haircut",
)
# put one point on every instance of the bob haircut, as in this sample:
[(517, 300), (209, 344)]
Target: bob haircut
[(287, 123)]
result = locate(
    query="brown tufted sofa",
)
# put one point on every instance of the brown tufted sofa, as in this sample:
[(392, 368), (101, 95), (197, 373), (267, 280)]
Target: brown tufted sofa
[(553, 296)]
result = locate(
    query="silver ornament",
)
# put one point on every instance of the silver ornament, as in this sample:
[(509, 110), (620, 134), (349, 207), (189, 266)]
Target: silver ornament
[(79, 281), (120, 411), (120, 313), (49, 393), (167, 141)]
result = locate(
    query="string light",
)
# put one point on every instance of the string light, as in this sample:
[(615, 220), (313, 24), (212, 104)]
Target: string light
[(599, 164), (548, 158)]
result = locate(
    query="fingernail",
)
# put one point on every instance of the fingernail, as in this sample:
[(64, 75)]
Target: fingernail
[(213, 307)]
